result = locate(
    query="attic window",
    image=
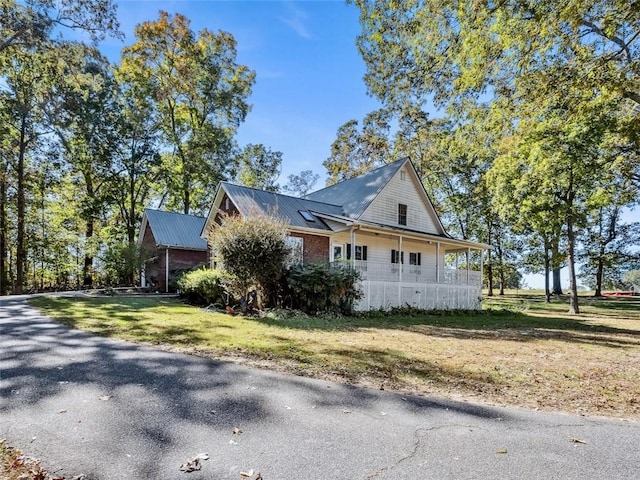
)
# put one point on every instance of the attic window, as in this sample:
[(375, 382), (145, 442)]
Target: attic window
[(307, 216), (403, 175)]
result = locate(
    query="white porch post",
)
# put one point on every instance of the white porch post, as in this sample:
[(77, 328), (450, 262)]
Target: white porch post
[(468, 260), (437, 262), (352, 248), (143, 275), (166, 270), (481, 268)]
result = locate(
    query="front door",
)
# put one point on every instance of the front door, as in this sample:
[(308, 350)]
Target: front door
[(338, 252)]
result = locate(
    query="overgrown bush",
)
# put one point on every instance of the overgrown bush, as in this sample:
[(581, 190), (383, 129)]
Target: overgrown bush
[(201, 287), (323, 288), (253, 252)]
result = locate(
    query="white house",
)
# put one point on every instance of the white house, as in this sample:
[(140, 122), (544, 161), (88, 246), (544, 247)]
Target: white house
[(384, 225)]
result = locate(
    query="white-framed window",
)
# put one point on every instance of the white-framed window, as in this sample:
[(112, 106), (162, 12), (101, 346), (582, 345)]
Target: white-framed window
[(338, 252), (296, 250), (402, 214)]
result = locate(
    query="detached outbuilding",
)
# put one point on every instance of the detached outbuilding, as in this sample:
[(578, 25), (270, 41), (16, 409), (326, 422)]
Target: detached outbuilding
[(172, 246)]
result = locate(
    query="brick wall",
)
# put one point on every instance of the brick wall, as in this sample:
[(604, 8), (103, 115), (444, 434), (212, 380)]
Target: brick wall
[(316, 248), (179, 262)]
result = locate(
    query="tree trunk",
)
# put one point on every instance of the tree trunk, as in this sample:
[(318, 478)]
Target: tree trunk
[(555, 264), (21, 253), (547, 266), (4, 277), (599, 273), (490, 267), (573, 287), (87, 270)]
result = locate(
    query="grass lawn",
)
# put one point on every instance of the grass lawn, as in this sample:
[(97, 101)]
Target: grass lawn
[(517, 351)]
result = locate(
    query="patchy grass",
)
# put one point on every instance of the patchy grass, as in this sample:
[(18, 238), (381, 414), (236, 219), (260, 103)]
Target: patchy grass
[(517, 351)]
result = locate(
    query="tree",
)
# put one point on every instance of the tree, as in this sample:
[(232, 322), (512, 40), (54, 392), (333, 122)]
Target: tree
[(200, 94), (253, 251), (258, 167), (301, 184), (84, 114), (27, 23), (357, 151)]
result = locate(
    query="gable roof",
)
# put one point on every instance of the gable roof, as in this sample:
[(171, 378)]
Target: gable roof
[(356, 194), (250, 201), (175, 230)]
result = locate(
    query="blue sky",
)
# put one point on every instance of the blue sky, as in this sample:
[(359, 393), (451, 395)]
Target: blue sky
[(308, 69)]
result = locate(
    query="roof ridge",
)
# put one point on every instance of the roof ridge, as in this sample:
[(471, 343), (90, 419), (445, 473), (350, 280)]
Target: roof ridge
[(173, 213), (361, 175), (278, 194)]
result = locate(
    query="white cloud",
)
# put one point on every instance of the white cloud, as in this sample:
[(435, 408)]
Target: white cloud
[(296, 20)]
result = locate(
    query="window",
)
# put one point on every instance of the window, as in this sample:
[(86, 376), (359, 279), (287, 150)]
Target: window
[(307, 216), (402, 214), (337, 253), (415, 258), (397, 256), (360, 252), (296, 250), (403, 175)]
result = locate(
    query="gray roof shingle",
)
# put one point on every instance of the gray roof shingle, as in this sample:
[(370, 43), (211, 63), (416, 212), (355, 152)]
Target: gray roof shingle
[(176, 229)]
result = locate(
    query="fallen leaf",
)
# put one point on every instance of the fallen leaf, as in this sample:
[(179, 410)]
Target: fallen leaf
[(346, 411), (287, 407), (194, 464), (247, 474), (33, 439), (232, 442), (63, 411), (237, 431), (104, 398), (504, 450), (576, 440), (383, 413)]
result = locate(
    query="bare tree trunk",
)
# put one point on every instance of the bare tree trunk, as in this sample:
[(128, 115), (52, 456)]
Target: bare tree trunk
[(87, 270), (573, 287), (4, 277), (547, 267), (555, 263), (599, 273), (21, 253)]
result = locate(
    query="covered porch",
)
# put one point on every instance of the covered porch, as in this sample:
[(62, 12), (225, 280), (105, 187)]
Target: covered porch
[(404, 268)]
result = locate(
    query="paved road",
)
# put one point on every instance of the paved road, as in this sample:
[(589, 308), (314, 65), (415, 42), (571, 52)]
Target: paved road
[(113, 410)]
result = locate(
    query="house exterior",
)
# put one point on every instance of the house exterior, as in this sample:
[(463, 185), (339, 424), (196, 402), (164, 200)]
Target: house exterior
[(383, 224), (172, 244)]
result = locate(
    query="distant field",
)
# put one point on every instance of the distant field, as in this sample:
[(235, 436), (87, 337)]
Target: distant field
[(517, 351)]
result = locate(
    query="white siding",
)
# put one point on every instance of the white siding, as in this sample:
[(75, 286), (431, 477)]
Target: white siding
[(384, 208)]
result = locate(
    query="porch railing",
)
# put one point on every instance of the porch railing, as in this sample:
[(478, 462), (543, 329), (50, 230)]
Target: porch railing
[(391, 272)]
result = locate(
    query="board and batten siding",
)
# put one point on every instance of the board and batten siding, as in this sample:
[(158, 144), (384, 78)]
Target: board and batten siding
[(403, 188)]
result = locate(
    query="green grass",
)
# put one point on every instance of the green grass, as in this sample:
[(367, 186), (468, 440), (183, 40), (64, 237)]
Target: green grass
[(518, 350)]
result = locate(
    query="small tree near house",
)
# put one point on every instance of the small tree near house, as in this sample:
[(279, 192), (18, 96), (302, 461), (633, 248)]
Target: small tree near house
[(253, 252)]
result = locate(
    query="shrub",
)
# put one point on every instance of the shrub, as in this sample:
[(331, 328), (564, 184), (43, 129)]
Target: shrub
[(323, 288), (253, 252), (201, 287)]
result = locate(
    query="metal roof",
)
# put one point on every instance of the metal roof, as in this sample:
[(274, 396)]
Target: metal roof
[(250, 201), (176, 229), (356, 194)]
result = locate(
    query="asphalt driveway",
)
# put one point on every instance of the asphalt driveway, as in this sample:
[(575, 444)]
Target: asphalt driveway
[(107, 409)]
